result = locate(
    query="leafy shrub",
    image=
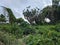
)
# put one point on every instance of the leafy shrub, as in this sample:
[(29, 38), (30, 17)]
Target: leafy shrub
[(57, 28), (13, 29), (44, 36), (28, 31), (41, 40), (7, 38), (27, 28), (24, 24)]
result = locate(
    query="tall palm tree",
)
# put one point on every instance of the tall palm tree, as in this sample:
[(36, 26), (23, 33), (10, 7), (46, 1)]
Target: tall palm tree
[(11, 16)]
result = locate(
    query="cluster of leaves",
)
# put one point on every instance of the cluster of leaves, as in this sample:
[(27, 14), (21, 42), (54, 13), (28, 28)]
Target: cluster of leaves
[(31, 15), (2, 18), (57, 28), (28, 30)]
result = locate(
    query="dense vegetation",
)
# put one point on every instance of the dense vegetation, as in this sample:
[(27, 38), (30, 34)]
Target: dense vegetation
[(30, 35), (20, 32)]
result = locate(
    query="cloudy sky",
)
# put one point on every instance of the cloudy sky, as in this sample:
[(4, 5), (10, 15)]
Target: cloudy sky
[(18, 6)]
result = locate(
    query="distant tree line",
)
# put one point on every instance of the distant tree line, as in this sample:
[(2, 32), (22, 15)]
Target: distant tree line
[(36, 15), (52, 12)]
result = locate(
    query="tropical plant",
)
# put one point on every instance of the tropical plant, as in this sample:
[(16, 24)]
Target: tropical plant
[(2, 18)]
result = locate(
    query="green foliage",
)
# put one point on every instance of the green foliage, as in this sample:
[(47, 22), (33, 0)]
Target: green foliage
[(13, 29), (44, 36), (57, 28), (12, 18), (52, 12), (41, 40), (27, 28), (7, 39), (31, 15), (27, 13), (31, 34), (19, 20), (24, 24), (2, 18), (28, 31), (55, 2), (12, 34)]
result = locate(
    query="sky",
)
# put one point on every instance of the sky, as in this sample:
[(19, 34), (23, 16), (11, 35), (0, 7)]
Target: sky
[(17, 6)]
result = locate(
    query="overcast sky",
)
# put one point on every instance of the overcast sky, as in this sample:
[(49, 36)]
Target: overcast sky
[(18, 6)]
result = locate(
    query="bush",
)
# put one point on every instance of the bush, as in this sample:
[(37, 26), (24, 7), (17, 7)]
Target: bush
[(41, 40), (44, 36), (13, 29), (57, 28), (7, 38), (27, 28), (28, 31), (24, 24)]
